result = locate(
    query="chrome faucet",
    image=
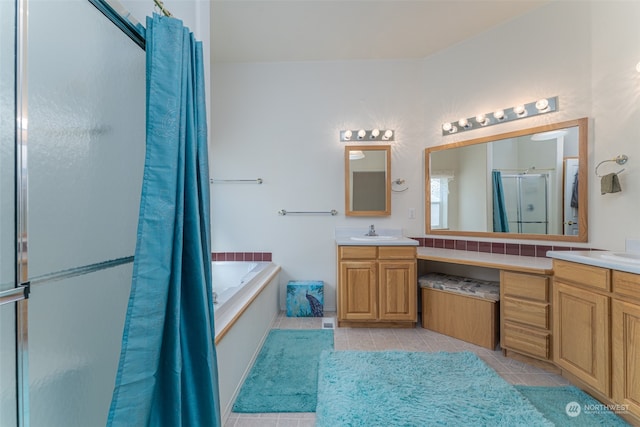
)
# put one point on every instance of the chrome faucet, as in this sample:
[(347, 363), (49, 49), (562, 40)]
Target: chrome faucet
[(372, 231)]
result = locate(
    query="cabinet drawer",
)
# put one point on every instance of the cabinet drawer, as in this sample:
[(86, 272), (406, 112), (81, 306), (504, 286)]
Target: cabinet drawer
[(581, 274), (535, 343), (358, 252), (525, 286), (396, 252), (626, 284), (526, 312)]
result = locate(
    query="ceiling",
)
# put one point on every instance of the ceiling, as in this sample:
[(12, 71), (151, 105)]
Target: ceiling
[(325, 30)]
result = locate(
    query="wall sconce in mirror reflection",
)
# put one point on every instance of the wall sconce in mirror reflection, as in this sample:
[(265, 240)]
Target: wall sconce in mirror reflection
[(520, 111), (356, 155), (399, 185), (367, 135)]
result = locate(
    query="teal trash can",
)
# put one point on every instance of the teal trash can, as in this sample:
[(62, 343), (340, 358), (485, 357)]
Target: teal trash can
[(305, 298)]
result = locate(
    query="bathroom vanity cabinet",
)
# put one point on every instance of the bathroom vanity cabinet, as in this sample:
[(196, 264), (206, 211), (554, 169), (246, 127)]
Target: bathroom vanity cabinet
[(597, 329), (582, 327), (525, 305), (377, 286), (625, 340)]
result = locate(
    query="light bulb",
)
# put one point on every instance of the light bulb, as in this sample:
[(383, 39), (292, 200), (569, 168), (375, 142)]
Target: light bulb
[(361, 133), (347, 135), (449, 127), (482, 119), (375, 133), (499, 114), (464, 123), (638, 67), (387, 134), (542, 104), (519, 109)]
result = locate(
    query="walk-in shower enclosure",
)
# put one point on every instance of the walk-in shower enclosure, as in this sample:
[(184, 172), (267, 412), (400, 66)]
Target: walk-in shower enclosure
[(72, 127)]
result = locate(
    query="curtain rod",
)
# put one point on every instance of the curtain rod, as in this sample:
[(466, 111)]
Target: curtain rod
[(164, 10)]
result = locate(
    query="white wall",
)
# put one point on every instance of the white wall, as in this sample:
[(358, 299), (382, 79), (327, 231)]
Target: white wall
[(280, 122), (471, 190), (615, 40)]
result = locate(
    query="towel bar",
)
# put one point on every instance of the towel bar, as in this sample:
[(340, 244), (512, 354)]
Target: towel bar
[(257, 180), (283, 212)]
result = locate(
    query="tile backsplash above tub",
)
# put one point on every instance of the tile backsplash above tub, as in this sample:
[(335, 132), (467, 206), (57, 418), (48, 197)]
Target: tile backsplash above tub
[(241, 256)]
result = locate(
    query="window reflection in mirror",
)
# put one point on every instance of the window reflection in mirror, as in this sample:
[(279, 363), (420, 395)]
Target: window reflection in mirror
[(367, 180), (528, 184)]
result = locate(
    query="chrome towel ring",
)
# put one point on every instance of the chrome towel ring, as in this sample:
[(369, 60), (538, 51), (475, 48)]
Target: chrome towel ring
[(621, 160)]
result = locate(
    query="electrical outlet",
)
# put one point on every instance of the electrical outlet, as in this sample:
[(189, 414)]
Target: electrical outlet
[(412, 213)]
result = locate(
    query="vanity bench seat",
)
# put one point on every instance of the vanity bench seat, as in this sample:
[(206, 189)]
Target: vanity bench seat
[(461, 307), (480, 318)]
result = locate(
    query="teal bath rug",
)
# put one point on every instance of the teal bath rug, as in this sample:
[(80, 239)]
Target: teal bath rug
[(570, 406), (284, 377), (395, 388)]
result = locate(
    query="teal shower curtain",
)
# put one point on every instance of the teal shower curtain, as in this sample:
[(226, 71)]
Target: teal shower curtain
[(500, 221), (167, 375)]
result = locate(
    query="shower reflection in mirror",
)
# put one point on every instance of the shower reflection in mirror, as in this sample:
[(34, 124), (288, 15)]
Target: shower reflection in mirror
[(521, 202)]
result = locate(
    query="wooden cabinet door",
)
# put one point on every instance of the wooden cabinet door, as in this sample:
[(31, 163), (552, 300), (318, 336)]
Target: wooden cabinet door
[(357, 291), (626, 354), (398, 290), (581, 335)]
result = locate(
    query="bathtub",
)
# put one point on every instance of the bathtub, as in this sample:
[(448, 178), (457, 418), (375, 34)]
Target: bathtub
[(228, 277), (246, 295)]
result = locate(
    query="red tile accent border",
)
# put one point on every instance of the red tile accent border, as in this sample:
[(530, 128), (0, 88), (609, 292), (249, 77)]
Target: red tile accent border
[(494, 247), (241, 256)]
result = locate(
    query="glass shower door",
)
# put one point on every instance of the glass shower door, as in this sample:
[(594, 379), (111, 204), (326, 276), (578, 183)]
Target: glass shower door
[(86, 155), (534, 205), (526, 202), (84, 140)]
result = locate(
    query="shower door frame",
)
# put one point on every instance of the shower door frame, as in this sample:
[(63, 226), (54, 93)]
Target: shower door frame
[(19, 294), (518, 177)]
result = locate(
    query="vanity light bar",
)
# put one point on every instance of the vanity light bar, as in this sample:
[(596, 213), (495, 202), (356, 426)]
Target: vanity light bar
[(535, 108), (367, 135)]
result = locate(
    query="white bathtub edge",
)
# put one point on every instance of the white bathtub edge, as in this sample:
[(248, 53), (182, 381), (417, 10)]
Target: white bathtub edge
[(232, 311), (240, 341)]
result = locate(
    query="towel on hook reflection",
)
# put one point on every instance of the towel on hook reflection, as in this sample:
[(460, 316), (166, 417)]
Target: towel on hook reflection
[(610, 184), (574, 192)]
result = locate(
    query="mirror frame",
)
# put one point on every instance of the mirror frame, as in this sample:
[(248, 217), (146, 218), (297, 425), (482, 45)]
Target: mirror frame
[(347, 180), (583, 167)]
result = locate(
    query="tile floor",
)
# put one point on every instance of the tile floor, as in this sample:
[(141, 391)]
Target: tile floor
[(417, 339)]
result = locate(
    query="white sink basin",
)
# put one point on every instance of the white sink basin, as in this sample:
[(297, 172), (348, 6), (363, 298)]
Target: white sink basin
[(373, 238), (632, 257)]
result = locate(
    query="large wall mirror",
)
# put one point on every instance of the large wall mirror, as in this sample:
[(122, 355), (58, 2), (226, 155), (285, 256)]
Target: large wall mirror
[(527, 184), (367, 177)]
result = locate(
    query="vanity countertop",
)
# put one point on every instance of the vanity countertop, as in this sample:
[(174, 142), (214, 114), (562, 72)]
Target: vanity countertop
[(396, 241), (596, 258), (354, 236), (525, 264)]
